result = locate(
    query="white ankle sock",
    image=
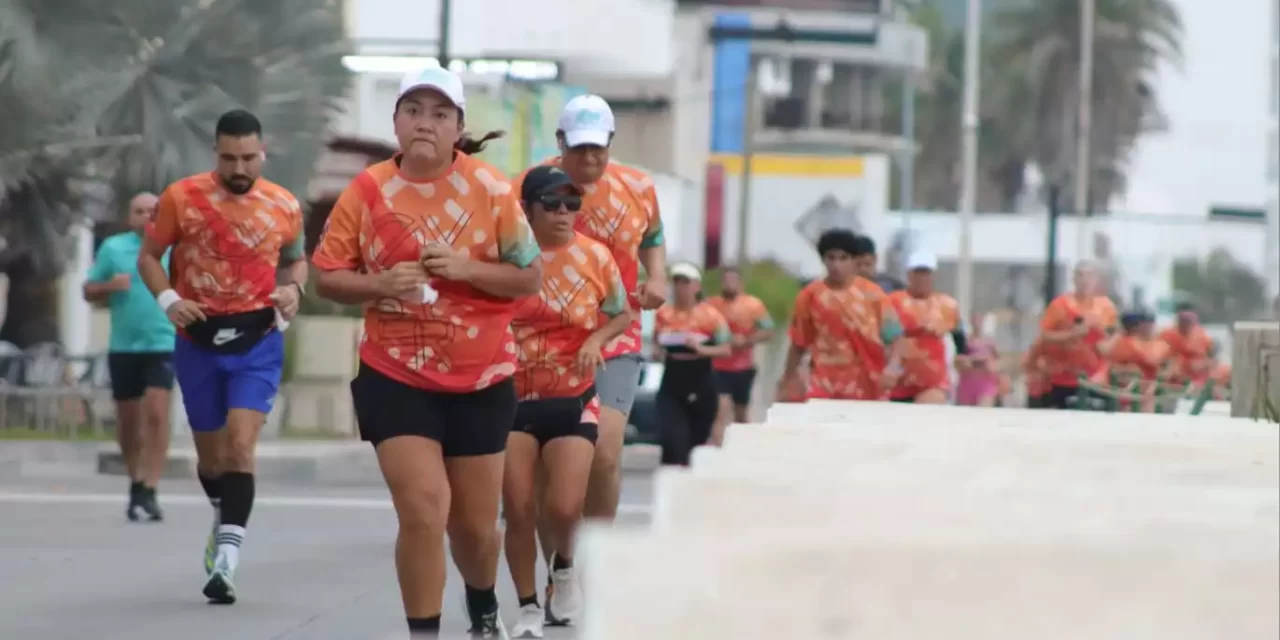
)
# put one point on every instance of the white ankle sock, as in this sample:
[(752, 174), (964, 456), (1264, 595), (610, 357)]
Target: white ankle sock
[(230, 537)]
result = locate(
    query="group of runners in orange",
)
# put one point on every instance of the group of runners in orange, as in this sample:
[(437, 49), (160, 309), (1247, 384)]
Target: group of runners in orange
[(502, 344), (1086, 347)]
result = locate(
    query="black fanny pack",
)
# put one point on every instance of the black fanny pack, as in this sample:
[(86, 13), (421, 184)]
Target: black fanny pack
[(235, 333)]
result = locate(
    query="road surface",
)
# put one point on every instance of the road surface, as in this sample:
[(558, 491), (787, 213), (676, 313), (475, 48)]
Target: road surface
[(316, 565)]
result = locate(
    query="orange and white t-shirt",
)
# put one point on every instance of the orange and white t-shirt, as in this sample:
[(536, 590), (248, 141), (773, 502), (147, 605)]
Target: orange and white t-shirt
[(226, 247), (746, 315), (1190, 352), (621, 211), (673, 325), (461, 342), (845, 331), (1066, 362), (581, 289), (926, 322)]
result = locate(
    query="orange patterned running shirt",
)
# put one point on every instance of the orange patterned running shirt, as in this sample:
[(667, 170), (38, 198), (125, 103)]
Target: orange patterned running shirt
[(581, 290), (844, 330), (926, 323), (746, 315), (226, 247), (1066, 362), (621, 211), (463, 341), (1190, 352)]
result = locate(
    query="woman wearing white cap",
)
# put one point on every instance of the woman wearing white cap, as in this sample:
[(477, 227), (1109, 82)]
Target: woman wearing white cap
[(688, 333), (619, 209), (434, 244), (927, 318)]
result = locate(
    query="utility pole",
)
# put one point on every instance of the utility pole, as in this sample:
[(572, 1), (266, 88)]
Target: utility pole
[(968, 188), (751, 95), (1084, 130), (446, 19), (907, 173)]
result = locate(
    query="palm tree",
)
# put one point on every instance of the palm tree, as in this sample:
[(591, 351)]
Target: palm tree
[(1038, 44), (127, 92)]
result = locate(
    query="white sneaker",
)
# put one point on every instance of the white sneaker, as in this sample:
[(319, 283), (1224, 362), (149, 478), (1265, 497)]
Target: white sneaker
[(565, 604), (221, 589), (530, 623)]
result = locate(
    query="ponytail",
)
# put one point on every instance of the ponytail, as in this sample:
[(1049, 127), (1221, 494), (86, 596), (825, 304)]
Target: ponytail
[(472, 146)]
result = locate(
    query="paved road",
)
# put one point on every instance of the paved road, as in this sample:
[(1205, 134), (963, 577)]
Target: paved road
[(317, 565)]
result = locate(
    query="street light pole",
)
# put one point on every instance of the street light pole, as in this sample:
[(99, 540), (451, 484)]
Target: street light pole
[(1084, 132), (446, 19), (968, 188), (751, 94)]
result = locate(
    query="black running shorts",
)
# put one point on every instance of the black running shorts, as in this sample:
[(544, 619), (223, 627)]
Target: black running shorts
[(465, 424)]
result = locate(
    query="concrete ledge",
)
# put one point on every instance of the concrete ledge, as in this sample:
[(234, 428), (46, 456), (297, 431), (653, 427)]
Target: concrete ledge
[(328, 463)]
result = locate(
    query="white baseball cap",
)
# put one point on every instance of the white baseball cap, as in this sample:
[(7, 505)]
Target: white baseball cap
[(434, 77), (687, 271), (922, 260), (586, 120)]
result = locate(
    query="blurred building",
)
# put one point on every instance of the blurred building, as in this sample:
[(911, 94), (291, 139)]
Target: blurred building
[(1273, 158), (676, 73)]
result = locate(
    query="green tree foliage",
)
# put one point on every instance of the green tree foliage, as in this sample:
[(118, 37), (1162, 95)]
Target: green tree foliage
[(126, 93)]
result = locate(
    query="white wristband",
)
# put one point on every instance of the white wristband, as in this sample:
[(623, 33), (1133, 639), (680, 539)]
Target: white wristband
[(168, 298)]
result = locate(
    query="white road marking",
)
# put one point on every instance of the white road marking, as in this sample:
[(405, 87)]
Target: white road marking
[(179, 499)]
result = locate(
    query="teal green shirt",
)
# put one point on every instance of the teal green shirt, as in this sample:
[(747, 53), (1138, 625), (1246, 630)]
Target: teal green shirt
[(138, 325)]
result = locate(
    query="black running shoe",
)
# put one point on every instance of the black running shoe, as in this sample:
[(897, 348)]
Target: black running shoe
[(488, 625), (135, 501), (150, 505)]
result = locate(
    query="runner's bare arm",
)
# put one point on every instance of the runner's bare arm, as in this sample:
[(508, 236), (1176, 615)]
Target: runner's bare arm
[(100, 279), (161, 234), (341, 275), (653, 256), (293, 260)]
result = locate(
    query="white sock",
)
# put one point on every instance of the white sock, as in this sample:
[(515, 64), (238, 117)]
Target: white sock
[(230, 537)]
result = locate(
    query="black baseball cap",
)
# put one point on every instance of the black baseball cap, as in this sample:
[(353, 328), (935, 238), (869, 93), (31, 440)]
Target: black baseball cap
[(545, 179)]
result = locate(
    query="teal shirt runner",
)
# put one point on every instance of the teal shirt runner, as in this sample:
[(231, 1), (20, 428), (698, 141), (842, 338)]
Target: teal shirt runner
[(138, 325)]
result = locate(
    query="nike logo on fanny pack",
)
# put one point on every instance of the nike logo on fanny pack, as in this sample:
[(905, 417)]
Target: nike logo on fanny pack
[(226, 335)]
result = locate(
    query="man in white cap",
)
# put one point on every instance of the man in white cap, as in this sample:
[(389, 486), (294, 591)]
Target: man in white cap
[(619, 209), (922, 372)]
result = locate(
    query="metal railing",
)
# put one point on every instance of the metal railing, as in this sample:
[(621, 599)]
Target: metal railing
[(46, 390)]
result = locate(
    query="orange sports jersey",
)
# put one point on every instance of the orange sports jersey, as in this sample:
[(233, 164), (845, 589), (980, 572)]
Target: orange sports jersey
[(1141, 356), (1190, 353), (621, 210), (226, 247), (746, 315), (926, 322), (581, 289), (845, 331), (1068, 361), (1037, 377), (702, 321), (463, 341)]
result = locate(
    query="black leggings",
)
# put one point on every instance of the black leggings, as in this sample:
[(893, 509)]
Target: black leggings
[(687, 403)]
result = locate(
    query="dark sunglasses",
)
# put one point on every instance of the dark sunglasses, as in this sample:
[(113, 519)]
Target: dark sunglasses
[(554, 201)]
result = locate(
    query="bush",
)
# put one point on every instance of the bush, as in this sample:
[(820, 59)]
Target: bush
[(767, 280)]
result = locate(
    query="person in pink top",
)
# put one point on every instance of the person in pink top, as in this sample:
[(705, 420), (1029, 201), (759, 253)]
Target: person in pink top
[(979, 374)]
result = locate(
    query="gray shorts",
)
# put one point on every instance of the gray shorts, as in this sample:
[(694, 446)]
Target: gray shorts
[(618, 380)]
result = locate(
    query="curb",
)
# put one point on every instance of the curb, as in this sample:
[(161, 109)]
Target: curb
[(349, 464)]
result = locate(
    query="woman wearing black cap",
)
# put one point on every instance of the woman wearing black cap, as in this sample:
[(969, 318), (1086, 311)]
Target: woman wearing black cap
[(688, 333), (559, 337)]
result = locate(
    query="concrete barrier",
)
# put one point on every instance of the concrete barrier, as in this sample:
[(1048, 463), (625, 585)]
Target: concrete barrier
[(878, 520)]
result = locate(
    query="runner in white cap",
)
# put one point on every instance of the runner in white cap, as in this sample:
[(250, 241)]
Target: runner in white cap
[(435, 245), (619, 209), (927, 317)]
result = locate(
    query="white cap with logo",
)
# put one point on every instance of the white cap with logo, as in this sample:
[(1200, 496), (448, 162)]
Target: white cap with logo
[(586, 120), (922, 260), (434, 77)]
